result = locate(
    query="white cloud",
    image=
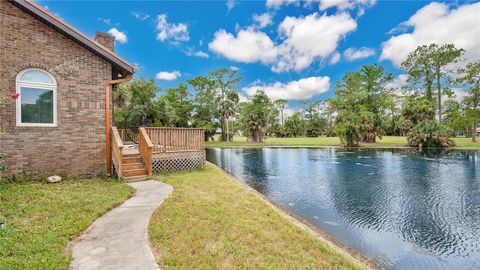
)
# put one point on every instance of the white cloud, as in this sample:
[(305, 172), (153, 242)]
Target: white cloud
[(459, 94), (168, 75), (335, 58), (201, 54), (140, 15), (309, 38), (294, 90), (262, 20), (278, 3), (230, 5), (302, 40), (345, 4), (118, 35), (234, 68), (248, 46), (340, 5), (176, 31), (436, 23), (398, 83), (352, 54)]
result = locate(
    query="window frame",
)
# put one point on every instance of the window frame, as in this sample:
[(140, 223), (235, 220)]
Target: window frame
[(44, 86)]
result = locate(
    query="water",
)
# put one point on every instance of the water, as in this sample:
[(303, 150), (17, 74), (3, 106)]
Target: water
[(401, 208)]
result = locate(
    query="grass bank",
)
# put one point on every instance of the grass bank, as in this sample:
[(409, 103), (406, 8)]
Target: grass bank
[(386, 141), (41, 219), (212, 222)]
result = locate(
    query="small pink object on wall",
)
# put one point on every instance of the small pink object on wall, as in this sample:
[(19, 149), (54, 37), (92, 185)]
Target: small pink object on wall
[(14, 95)]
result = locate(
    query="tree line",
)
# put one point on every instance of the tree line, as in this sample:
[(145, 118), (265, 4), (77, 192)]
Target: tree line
[(366, 106)]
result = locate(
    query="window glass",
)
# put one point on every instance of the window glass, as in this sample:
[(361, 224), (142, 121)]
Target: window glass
[(36, 105), (36, 76)]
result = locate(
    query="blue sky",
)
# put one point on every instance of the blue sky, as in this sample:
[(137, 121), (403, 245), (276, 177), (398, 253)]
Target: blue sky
[(290, 48)]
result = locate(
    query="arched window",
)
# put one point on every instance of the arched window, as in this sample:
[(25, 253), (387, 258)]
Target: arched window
[(37, 104)]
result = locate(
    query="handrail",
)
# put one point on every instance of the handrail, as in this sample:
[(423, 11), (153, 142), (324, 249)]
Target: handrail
[(167, 140), (117, 149), (145, 149)]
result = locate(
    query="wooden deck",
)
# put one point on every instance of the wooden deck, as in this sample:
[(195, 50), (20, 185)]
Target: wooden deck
[(158, 149)]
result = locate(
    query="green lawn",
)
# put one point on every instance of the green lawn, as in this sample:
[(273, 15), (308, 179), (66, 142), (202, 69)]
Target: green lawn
[(386, 141), (41, 219), (212, 222)]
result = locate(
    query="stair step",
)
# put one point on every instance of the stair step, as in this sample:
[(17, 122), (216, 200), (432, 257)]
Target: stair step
[(128, 160), (134, 172), (136, 178), (133, 165)]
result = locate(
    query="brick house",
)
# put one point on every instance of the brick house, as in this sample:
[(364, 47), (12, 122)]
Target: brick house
[(60, 123)]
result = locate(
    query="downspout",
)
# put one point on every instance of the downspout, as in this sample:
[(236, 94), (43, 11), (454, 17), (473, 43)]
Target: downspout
[(108, 149)]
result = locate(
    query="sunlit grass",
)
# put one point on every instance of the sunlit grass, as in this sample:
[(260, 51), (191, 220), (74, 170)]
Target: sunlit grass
[(386, 141), (41, 219), (212, 222)]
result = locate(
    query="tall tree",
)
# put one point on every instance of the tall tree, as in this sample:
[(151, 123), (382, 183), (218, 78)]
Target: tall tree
[(256, 114), (454, 115), (377, 98), (314, 122), (281, 105), (226, 82), (178, 99), (470, 75), (428, 65), (205, 105), (142, 94), (353, 117), (294, 125)]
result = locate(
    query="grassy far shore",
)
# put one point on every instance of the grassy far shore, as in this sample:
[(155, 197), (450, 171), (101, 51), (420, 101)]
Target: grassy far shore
[(386, 141), (212, 222), (41, 219)]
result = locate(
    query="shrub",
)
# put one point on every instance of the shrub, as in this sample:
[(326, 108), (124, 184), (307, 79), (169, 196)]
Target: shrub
[(430, 134), (3, 164)]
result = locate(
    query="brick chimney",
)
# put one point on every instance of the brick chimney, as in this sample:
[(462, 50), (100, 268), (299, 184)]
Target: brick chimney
[(106, 40)]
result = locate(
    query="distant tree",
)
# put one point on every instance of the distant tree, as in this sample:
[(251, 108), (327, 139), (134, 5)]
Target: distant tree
[(204, 105), (315, 124), (256, 114), (430, 134), (141, 94), (121, 95), (470, 76), (281, 105), (353, 120), (454, 115), (428, 66), (229, 109), (377, 98), (178, 99), (226, 82), (294, 125), (415, 109)]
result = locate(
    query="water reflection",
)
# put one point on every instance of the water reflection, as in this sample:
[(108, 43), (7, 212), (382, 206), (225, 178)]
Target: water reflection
[(402, 208)]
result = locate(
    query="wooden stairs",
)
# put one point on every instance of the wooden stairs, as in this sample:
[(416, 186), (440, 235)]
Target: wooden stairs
[(133, 168)]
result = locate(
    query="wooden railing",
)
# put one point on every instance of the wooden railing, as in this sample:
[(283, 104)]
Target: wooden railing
[(167, 140), (117, 149), (145, 149)]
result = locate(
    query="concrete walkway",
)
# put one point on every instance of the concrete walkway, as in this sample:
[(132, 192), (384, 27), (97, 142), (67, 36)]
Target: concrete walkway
[(118, 239)]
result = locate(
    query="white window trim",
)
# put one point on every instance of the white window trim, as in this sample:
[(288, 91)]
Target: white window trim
[(19, 84)]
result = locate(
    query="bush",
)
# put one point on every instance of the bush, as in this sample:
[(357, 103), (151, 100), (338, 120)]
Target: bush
[(430, 134), (3, 164)]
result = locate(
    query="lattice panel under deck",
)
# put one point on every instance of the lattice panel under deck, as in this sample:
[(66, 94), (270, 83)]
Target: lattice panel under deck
[(178, 162)]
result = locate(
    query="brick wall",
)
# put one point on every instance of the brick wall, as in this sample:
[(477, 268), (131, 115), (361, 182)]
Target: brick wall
[(76, 146)]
